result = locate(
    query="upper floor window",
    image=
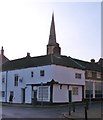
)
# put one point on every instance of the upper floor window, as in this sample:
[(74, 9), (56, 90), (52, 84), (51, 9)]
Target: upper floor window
[(3, 79), (78, 75), (16, 80), (42, 72), (98, 75), (32, 74), (89, 74), (94, 74)]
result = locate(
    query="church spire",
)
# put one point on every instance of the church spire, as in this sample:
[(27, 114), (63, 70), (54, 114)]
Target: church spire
[(52, 36), (53, 46)]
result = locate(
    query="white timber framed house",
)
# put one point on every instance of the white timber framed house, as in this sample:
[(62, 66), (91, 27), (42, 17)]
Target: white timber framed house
[(51, 78)]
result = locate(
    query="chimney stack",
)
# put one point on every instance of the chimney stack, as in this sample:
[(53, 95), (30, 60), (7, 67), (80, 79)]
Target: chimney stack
[(2, 51), (92, 61), (28, 54)]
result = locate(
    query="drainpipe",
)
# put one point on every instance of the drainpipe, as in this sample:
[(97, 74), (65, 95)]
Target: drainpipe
[(6, 86)]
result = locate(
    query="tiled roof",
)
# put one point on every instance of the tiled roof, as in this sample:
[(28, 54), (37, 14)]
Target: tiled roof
[(27, 62), (3, 59), (90, 65)]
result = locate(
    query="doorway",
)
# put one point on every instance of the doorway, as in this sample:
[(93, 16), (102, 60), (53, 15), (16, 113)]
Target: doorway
[(70, 96), (34, 97), (23, 95)]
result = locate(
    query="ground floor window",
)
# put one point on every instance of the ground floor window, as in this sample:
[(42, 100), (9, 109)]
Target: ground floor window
[(98, 90), (2, 94), (89, 89), (75, 90), (43, 92), (89, 93)]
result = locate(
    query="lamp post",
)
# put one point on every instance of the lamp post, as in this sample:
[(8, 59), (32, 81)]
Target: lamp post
[(90, 93), (101, 95), (70, 99)]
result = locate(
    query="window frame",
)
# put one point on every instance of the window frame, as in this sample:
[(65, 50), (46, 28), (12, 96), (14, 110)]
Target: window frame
[(32, 74), (43, 93), (16, 80), (42, 73), (3, 93), (75, 91), (78, 75)]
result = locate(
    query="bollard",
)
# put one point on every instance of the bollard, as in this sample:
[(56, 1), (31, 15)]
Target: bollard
[(69, 109), (86, 118), (73, 107), (87, 105)]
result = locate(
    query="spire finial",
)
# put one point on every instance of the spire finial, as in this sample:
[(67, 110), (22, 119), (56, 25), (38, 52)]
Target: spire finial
[(53, 15)]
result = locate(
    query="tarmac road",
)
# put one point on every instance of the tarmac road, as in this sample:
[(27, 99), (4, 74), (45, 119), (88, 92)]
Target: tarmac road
[(36, 112), (55, 111)]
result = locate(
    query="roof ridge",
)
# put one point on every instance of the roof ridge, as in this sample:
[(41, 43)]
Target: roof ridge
[(76, 62), (26, 57)]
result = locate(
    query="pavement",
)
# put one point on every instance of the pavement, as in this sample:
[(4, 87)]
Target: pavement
[(93, 112), (32, 106)]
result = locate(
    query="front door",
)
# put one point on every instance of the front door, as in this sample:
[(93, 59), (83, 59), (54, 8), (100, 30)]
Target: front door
[(70, 96), (35, 95), (23, 95)]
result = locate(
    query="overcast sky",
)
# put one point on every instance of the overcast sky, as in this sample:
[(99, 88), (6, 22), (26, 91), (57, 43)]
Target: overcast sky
[(25, 27)]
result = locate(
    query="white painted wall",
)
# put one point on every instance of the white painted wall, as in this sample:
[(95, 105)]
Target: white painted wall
[(27, 79), (60, 95), (2, 85), (66, 75), (63, 75)]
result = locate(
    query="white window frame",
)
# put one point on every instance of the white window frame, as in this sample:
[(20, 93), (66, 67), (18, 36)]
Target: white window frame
[(16, 80), (78, 75), (75, 90), (43, 93)]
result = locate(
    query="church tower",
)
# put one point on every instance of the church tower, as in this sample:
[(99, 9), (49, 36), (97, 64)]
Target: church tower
[(53, 46)]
